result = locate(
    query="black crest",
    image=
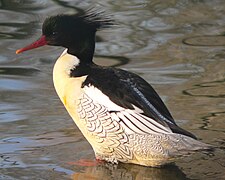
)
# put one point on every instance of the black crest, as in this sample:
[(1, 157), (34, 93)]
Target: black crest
[(85, 21), (95, 18)]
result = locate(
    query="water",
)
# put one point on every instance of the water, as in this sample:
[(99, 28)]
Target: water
[(177, 46)]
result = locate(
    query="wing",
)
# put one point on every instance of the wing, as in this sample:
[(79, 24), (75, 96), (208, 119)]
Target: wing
[(132, 120), (127, 91)]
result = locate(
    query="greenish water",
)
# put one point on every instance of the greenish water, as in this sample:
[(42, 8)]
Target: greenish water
[(178, 46)]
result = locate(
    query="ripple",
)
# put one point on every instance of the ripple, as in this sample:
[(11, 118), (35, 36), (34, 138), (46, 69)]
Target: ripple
[(214, 40), (10, 113), (16, 25), (112, 61), (19, 71), (17, 30), (213, 89), (173, 74), (3, 58), (213, 121), (16, 85), (25, 5), (11, 116), (156, 24), (169, 11)]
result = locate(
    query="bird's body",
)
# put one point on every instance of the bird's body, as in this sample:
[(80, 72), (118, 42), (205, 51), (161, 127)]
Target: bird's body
[(116, 133), (118, 112)]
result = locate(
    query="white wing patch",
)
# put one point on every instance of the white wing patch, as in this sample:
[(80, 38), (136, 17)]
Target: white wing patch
[(99, 98), (132, 121)]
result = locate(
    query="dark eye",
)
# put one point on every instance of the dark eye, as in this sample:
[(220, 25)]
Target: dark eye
[(54, 33)]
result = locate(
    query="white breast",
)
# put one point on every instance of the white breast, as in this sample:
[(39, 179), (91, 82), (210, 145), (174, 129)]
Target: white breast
[(61, 73)]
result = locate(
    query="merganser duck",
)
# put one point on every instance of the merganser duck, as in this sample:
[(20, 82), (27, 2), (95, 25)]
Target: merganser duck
[(118, 112)]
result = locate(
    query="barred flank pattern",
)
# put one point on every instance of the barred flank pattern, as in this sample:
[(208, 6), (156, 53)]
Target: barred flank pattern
[(109, 134), (125, 135)]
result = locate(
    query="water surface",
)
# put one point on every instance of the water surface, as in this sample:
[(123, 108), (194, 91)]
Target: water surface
[(177, 46)]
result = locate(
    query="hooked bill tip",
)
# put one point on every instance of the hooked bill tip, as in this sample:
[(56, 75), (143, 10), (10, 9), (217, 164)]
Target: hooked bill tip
[(18, 51)]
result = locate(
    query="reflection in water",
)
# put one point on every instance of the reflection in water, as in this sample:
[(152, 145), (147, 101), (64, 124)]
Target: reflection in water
[(130, 172)]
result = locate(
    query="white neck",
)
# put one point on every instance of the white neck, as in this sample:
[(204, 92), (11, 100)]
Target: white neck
[(61, 71)]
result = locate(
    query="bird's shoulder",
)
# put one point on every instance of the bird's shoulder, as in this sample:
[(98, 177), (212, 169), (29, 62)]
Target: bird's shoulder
[(127, 89)]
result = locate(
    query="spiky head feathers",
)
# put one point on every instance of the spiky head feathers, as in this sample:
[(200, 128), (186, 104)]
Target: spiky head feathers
[(61, 29)]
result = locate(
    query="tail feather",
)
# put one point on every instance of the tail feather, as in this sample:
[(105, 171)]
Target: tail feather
[(184, 145)]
